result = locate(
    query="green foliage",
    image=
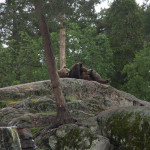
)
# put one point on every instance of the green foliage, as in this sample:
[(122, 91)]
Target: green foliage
[(3, 104), (87, 46), (35, 130), (146, 22), (22, 61), (124, 29), (138, 75)]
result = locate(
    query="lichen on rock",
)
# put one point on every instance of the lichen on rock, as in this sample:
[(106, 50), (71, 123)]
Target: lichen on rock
[(74, 137), (127, 128)]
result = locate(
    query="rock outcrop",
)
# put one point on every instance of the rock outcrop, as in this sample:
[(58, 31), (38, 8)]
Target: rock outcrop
[(107, 118), (126, 127)]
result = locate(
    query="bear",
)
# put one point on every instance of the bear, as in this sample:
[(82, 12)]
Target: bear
[(75, 71), (85, 76), (91, 75), (78, 71), (96, 77), (64, 72)]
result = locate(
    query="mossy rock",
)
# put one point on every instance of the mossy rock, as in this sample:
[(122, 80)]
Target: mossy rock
[(44, 104), (74, 89), (127, 128), (74, 137), (36, 104)]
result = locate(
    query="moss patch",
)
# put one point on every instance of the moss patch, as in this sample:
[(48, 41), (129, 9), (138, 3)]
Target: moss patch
[(71, 98), (35, 130), (3, 104), (48, 112), (72, 137), (34, 100), (12, 102), (9, 102), (129, 130), (25, 87)]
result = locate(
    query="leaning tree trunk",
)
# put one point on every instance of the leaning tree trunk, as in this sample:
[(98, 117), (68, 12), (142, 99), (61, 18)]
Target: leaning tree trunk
[(62, 44), (63, 115)]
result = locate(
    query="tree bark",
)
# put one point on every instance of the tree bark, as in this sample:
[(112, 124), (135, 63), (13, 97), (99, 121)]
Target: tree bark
[(62, 44), (63, 115)]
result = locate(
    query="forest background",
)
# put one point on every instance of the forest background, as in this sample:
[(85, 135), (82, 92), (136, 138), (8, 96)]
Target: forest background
[(113, 41)]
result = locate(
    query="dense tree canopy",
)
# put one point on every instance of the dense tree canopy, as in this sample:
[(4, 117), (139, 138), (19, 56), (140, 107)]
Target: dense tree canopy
[(146, 22), (138, 75), (87, 46), (110, 42), (124, 29), (23, 62)]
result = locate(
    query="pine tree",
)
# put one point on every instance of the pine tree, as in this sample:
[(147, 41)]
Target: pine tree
[(146, 22), (138, 75), (63, 115), (124, 28)]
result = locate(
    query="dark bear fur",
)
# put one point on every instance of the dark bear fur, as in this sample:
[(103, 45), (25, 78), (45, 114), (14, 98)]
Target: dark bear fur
[(78, 71), (75, 71), (83, 69), (85, 73), (85, 76)]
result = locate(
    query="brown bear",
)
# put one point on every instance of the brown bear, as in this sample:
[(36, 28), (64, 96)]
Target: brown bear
[(78, 71), (85, 76), (64, 72), (96, 77), (75, 71)]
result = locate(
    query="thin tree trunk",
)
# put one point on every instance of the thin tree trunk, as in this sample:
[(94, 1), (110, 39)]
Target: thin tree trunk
[(62, 44), (63, 115)]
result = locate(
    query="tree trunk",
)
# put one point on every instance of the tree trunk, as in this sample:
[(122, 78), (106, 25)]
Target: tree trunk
[(63, 115), (62, 44)]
